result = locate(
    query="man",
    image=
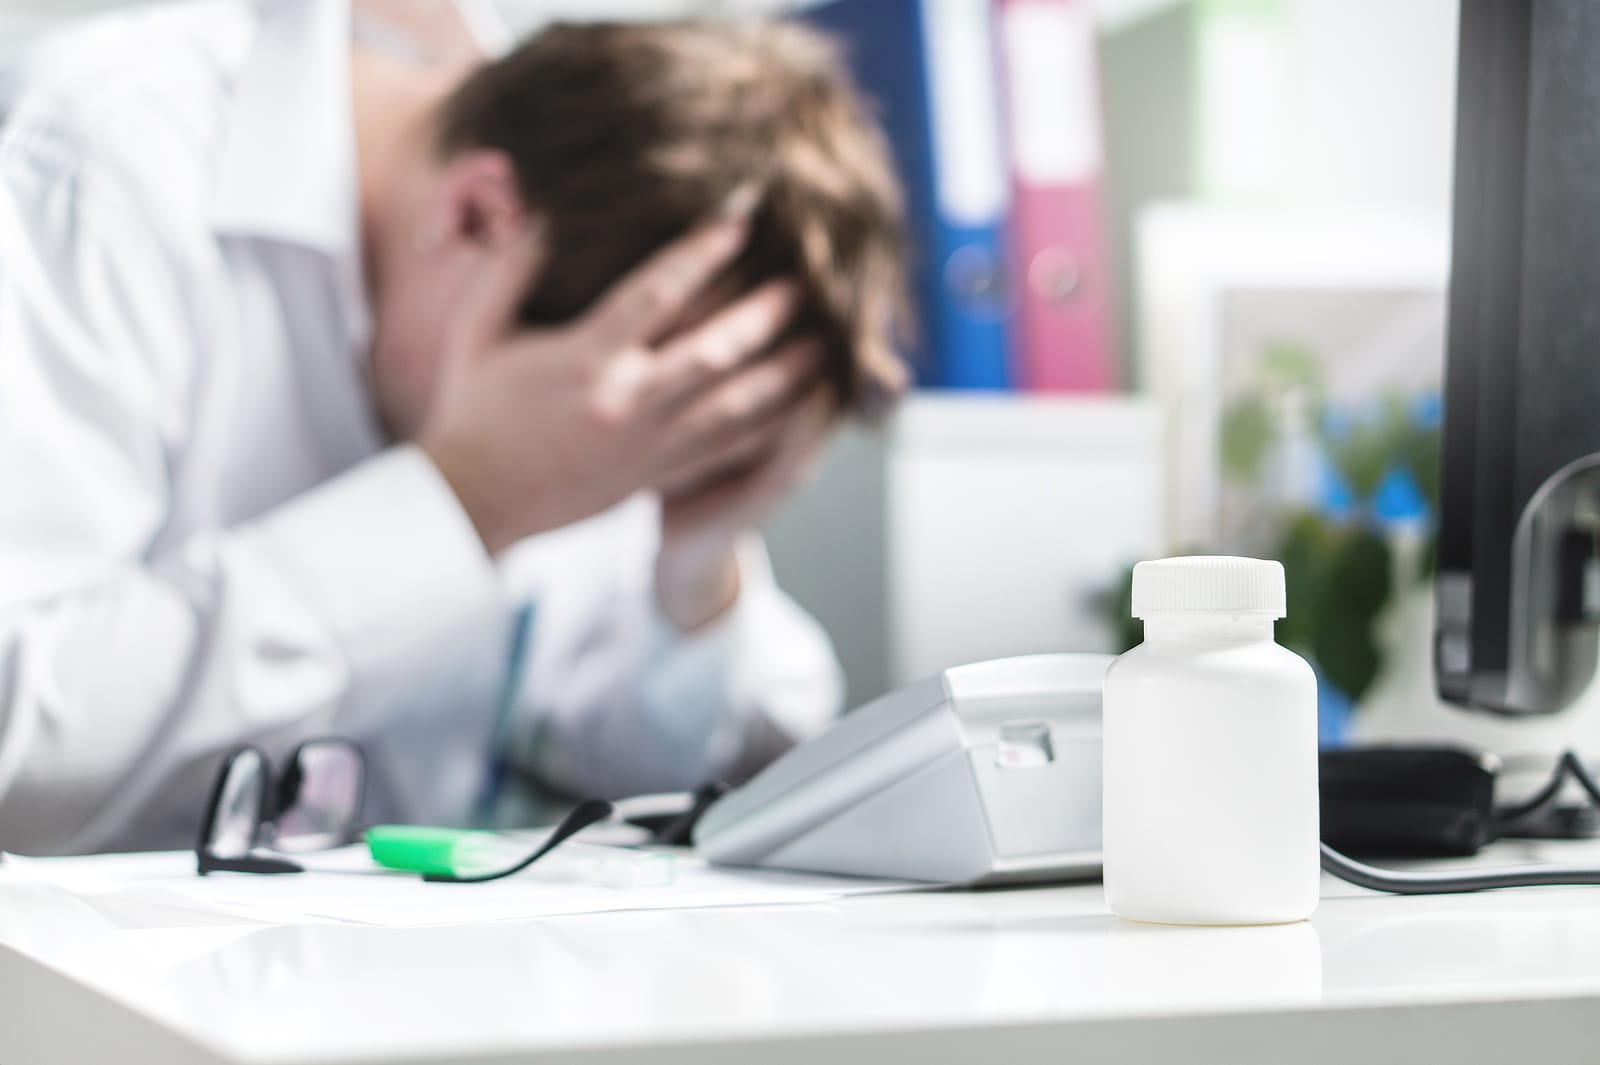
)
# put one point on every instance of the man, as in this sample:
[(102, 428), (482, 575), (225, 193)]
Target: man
[(320, 366)]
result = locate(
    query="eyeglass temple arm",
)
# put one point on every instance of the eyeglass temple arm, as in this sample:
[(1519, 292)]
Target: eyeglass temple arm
[(582, 816), (249, 863)]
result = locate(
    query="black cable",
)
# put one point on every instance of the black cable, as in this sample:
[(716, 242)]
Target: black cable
[(1580, 772), (1399, 882), (1514, 820), (580, 817)]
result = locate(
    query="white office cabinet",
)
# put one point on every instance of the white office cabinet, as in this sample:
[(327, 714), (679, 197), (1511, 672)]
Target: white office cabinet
[(1010, 522)]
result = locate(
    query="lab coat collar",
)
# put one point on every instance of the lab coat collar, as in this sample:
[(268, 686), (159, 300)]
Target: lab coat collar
[(288, 165)]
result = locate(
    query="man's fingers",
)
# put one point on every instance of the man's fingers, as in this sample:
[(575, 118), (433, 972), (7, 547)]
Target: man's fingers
[(800, 449), (645, 303), (771, 453), (756, 393), (738, 452), (688, 364), (796, 451), (744, 492), (498, 287)]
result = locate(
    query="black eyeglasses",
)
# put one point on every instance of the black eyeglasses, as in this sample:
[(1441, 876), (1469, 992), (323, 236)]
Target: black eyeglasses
[(314, 805)]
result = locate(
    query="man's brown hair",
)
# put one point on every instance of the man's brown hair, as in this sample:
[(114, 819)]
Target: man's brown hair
[(625, 135)]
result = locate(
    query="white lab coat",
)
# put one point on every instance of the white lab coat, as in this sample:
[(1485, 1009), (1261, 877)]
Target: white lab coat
[(206, 541)]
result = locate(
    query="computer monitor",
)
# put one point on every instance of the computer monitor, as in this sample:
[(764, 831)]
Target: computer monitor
[(1518, 628)]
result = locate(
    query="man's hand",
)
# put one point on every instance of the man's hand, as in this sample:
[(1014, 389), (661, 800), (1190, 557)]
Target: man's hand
[(538, 429), (697, 578)]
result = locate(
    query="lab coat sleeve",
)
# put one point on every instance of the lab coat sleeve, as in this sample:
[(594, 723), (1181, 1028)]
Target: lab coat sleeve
[(126, 670), (620, 702)]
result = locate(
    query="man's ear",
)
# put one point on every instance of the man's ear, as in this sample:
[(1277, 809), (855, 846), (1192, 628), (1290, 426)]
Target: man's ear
[(480, 202)]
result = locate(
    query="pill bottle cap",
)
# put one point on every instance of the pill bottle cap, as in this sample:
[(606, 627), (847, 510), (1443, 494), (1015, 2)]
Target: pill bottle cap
[(1208, 583)]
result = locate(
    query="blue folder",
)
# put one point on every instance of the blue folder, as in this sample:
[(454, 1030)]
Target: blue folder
[(957, 220)]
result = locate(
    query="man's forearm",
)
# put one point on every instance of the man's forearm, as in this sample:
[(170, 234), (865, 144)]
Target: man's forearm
[(636, 705)]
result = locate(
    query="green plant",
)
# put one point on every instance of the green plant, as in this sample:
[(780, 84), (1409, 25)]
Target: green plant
[(1339, 578), (1338, 565)]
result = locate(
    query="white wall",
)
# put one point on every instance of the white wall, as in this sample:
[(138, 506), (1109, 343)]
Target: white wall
[(1375, 112)]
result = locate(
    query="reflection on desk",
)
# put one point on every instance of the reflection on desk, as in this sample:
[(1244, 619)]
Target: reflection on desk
[(1020, 974)]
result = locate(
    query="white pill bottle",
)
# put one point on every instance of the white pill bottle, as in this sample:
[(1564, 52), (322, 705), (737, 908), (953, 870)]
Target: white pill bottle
[(1211, 813)]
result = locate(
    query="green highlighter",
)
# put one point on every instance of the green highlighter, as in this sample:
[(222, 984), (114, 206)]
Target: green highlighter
[(473, 855), (452, 852)]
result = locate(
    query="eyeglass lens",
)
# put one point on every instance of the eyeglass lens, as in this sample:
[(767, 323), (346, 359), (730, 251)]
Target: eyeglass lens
[(238, 817), (324, 797)]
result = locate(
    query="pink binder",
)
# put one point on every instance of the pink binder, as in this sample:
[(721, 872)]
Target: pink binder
[(1063, 335)]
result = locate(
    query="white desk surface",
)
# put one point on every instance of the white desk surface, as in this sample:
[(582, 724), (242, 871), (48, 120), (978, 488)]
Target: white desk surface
[(1014, 976)]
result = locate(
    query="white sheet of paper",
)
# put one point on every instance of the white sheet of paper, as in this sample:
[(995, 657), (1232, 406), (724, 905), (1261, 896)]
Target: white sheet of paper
[(345, 885)]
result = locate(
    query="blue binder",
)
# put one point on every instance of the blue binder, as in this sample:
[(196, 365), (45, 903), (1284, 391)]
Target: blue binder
[(928, 65)]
